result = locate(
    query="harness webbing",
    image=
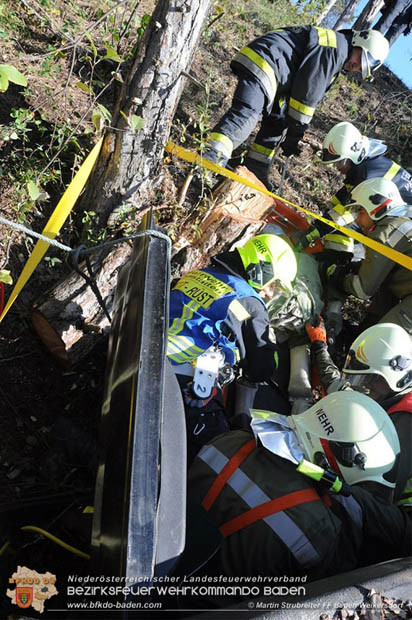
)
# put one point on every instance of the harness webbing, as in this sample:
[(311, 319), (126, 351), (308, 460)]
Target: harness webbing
[(230, 467), (268, 508)]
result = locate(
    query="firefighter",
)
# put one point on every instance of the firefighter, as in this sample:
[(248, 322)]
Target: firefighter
[(383, 216), (275, 521), (358, 158), (218, 319), (396, 19), (283, 75), (379, 364)]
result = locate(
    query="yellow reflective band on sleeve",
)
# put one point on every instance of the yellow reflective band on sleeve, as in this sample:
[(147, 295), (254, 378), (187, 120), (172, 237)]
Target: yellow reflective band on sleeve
[(301, 107), (180, 349), (342, 239), (335, 201), (262, 64), (220, 137), (406, 497), (88, 510), (392, 172), (276, 358), (340, 208), (239, 311), (262, 149), (326, 37), (202, 287), (193, 157)]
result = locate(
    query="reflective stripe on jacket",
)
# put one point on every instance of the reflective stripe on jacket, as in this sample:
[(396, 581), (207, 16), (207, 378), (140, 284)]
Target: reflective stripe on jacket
[(298, 62), (199, 304), (272, 518)]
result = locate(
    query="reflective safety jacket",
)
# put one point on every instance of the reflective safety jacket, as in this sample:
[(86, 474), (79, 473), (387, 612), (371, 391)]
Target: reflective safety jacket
[(398, 407), (297, 63), (213, 306), (275, 523), (376, 269)]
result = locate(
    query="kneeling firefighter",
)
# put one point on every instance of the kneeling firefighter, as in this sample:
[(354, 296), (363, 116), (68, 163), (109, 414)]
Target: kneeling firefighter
[(275, 520), (218, 321)]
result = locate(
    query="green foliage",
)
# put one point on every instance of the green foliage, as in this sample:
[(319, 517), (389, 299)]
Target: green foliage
[(8, 73), (5, 276)]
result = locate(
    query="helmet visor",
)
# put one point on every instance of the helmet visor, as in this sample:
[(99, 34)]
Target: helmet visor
[(373, 385), (328, 157), (369, 64), (260, 274)]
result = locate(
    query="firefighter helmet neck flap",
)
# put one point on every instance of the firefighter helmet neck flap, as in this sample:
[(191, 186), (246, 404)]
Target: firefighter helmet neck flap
[(379, 362), (351, 434), (267, 259), (378, 196), (375, 49)]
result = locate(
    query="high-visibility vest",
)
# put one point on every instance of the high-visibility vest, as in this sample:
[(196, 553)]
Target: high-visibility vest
[(199, 304)]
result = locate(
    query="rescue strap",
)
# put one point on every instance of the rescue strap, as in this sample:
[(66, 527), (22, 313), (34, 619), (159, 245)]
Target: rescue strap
[(269, 508), (220, 481), (56, 221), (258, 512), (194, 158), (405, 404)]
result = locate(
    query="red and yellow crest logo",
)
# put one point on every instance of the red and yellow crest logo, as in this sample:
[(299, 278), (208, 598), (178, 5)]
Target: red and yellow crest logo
[(24, 597)]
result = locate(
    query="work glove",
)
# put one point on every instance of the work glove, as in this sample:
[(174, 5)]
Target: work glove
[(306, 237), (290, 146), (317, 331)]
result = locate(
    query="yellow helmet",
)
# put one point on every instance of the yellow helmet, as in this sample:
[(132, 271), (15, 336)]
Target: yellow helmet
[(267, 258)]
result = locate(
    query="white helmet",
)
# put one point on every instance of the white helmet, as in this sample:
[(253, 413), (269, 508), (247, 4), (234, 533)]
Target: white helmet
[(379, 362), (377, 196), (351, 434), (344, 141), (375, 48)]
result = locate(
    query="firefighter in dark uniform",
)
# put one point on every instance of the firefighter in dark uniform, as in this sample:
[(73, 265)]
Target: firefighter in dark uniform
[(396, 19), (219, 311), (283, 75), (275, 521), (358, 158), (379, 364)]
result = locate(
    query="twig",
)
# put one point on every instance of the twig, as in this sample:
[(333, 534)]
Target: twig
[(185, 187), (194, 80)]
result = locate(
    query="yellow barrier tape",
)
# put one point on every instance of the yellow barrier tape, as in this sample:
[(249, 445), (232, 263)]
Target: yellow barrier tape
[(56, 221), (194, 158)]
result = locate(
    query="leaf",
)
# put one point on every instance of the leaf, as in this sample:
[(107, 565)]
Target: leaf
[(111, 54), (13, 75), (136, 122), (34, 191), (4, 83), (98, 120), (5, 276), (105, 112), (92, 45), (84, 87)]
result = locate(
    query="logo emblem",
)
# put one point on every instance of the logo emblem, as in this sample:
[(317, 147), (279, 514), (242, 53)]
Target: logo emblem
[(24, 597)]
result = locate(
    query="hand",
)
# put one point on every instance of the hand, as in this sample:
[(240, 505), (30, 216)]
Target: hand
[(192, 400), (290, 146), (306, 237), (317, 332)]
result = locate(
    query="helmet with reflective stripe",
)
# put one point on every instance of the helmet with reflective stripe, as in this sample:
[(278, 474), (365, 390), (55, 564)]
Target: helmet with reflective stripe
[(375, 49), (379, 362), (377, 196), (344, 141), (266, 259), (351, 434)]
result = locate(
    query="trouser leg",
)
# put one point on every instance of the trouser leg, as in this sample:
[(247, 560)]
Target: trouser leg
[(260, 155), (239, 121)]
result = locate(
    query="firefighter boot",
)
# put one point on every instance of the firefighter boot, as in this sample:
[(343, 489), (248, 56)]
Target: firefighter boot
[(260, 170)]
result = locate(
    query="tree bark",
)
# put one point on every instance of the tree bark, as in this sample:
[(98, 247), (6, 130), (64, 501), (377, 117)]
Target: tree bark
[(368, 15), (127, 167), (130, 160), (347, 14), (325, 11)]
